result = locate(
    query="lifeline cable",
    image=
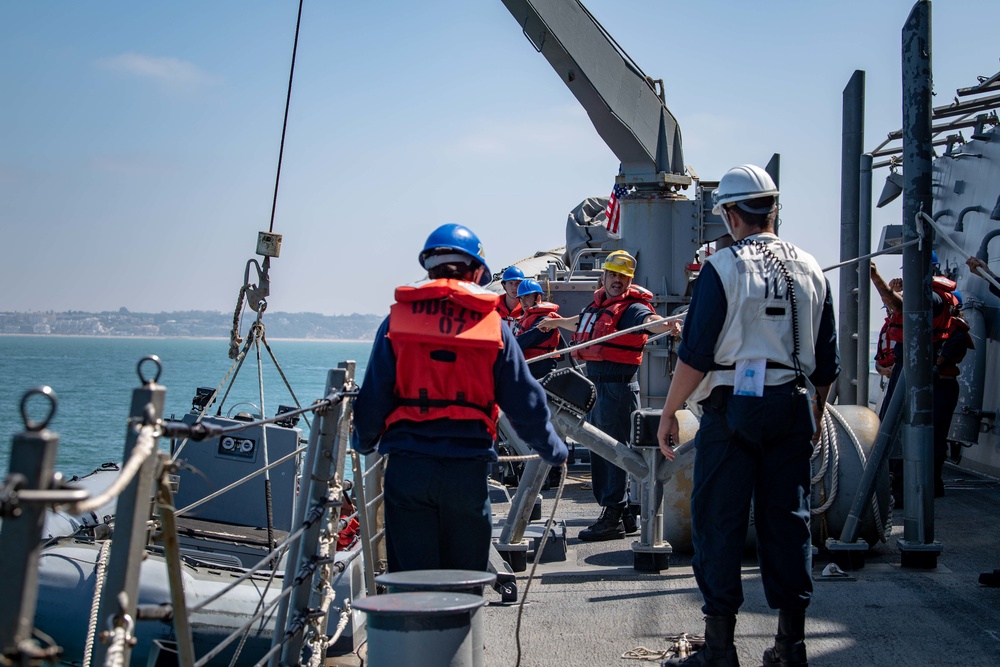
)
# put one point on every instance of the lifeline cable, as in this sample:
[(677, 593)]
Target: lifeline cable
[(284, 124)]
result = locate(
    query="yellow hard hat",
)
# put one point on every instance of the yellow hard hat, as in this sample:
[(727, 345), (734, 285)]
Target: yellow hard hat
[(620, 262)]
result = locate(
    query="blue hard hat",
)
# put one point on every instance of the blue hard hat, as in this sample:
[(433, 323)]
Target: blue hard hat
[(529, 286), (934, 258), (459, 238), (956, 293), (512, 273)]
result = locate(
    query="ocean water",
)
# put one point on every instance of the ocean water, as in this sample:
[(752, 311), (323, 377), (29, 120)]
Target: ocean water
[(93, 379)]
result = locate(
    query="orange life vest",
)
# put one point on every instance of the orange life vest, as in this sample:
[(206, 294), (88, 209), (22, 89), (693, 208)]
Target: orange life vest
[(890, 334), (537, 312), (941, 326), (511, 316), (446, 335), (601, 318)]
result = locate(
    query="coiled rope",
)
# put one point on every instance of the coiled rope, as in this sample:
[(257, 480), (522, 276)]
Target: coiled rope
[(100, 575)]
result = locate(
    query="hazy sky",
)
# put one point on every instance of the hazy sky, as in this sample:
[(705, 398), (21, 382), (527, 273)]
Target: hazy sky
[(139, 140)]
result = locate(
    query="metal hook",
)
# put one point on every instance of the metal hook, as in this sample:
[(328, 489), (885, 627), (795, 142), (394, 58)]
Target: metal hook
[(159, 369), (30, 424)]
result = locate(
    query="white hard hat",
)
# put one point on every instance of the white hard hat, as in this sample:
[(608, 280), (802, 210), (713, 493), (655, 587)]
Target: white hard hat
[(746, 181)]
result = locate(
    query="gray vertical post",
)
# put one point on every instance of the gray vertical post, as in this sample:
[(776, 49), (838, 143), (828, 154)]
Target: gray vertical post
[(864, 273), (33, 455), (852, 145), (917, 546), (322, 474), (131, 519)]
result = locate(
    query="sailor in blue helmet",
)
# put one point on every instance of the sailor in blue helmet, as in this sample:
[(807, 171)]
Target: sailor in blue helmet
[(533, 341), (442, 367), (758, 354), (508, 305)]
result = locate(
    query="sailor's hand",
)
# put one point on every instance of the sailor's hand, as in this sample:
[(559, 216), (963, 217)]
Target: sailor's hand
[(667, 434), (817, 420), (549, 323), (896, 284), (975, 263)]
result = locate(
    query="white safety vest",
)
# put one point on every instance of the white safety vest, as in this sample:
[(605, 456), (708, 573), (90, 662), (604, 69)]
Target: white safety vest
[(759, 315)]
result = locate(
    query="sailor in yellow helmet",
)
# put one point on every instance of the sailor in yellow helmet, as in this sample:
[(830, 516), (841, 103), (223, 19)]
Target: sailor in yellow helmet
[(613, 366)]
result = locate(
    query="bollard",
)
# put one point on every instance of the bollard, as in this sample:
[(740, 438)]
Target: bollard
[(430, 629), (453, 581)]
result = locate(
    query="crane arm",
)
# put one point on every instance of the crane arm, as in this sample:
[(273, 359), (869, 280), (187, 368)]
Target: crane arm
[(622, 103)]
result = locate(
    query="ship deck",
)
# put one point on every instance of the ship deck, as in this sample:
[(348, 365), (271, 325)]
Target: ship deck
[(594, 607)]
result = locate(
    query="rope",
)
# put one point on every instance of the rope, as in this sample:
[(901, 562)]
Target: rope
[(288, 386), (887, 251), (513, 458), (538, 557), (234, 333), (268, 506), (319, 642), (145, 444), (284, 125), (864, 463), (643, 653), (234, 366), (100, 574), (573, 348), (246, 633), (119, 636), (243, 480)]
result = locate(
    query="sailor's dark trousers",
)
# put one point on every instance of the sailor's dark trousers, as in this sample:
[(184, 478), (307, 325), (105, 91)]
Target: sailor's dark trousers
[(612, 413), (437, 514), (752, 448)]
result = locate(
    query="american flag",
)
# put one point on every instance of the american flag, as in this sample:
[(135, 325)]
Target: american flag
[(614, 211)]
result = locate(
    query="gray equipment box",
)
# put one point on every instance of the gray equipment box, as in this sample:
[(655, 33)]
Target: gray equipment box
[(213, 464)]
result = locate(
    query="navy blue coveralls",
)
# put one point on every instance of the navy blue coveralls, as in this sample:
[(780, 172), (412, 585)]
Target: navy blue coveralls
[(437, 506), (617, 398), (743, 453), (529, 339)]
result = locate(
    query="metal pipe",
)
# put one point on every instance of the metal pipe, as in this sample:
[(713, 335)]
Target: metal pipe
[(322, 477), (960, 225), (864, 271), (918, 431), (532, 479), (876, 459), (599, 442), (33, 457), (968, 417), (852, 146), (128, 542)]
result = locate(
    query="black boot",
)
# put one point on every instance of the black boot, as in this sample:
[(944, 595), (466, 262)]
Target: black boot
[(789, 644), (628, 521), (608, 527), (719, 649)]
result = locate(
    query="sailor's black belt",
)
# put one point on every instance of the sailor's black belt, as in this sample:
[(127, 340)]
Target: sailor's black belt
[(621, 379)]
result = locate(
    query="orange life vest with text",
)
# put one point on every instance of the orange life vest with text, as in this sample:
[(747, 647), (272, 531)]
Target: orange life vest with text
[(445, 334), (601, 318), (531, 316)]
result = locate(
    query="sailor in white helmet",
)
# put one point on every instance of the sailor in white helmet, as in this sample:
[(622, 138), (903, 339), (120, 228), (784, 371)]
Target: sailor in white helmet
[(759, 353)]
